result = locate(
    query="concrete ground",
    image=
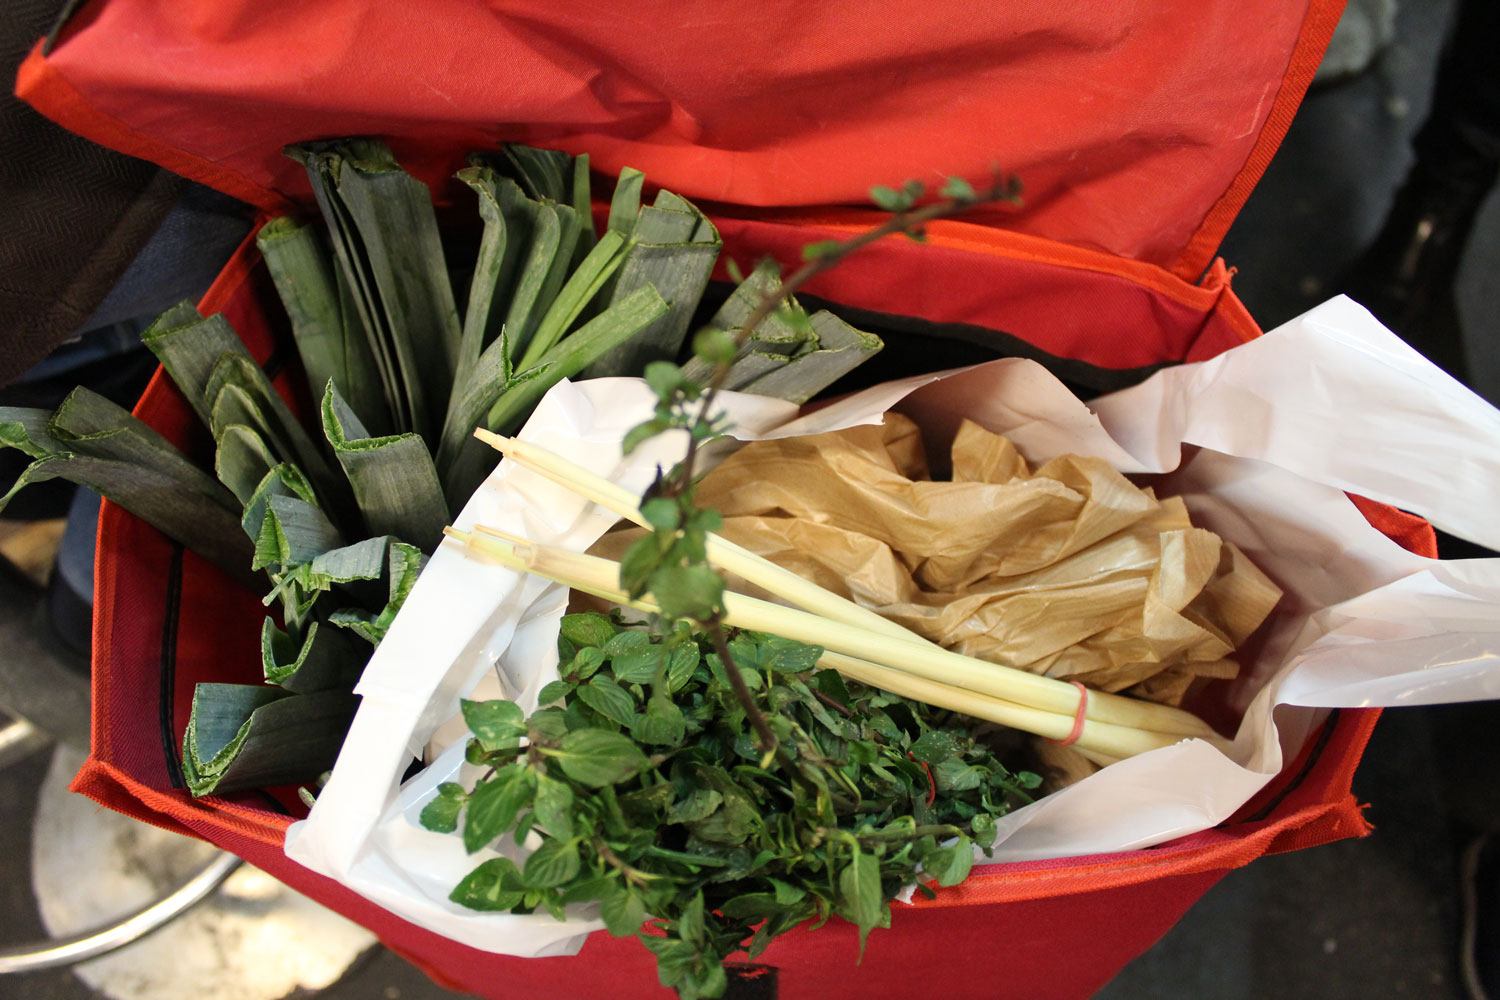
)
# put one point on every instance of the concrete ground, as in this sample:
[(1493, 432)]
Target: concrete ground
[(1371, 918)]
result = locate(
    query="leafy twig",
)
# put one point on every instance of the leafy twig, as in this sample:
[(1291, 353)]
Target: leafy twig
[(679, 539), (766, 739), (958, 197)]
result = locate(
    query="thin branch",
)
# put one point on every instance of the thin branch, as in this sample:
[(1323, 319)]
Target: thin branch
[(833, 703), (910, 222), (632, 875), (680, 482), (763, 735)]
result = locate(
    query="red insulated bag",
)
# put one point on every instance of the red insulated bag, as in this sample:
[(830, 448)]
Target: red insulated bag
[(1138, 128)]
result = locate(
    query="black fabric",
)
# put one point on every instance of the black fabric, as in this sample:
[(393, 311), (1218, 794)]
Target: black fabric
[(172, 601), (72, 214), (750, 981), (1406, 277)]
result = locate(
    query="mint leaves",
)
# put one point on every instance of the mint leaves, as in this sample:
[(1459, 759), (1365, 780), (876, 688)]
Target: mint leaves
[(643, 780)]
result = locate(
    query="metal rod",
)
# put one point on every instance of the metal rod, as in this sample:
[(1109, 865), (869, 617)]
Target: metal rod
[(103, 940)]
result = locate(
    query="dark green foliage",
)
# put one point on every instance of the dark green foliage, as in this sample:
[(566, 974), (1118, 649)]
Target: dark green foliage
[(790, 354), (698, 834), (250, 736), (93, 442)]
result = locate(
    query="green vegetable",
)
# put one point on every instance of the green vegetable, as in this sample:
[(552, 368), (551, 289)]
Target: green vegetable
[(840, 348), (93, 442), (393, 478), (610, 328), (388, 245), (673, 248), (327, 660), (695, 831), (251, 736), (330, 339), (397, 377)]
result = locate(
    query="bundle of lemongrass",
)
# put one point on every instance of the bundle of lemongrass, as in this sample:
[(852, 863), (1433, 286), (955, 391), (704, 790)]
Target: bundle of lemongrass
[(857, 642)]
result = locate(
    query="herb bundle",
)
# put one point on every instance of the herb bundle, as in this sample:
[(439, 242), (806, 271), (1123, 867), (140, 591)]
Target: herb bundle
[(650, 794), (734, 767)]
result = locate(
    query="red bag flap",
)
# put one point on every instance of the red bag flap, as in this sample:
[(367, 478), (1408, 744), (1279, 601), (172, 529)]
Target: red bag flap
[(1138, 129)]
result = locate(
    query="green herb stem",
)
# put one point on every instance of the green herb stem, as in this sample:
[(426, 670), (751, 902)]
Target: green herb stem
[(765, 739)]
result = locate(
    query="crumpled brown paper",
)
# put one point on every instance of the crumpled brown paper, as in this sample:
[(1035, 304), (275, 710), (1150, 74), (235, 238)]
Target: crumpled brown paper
[(1070, 571)]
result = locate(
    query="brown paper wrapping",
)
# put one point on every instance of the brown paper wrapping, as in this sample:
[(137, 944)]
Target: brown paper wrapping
[(1070, 571)]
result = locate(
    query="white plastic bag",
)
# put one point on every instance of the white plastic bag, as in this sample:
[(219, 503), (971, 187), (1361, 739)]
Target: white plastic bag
[(1261, 441)]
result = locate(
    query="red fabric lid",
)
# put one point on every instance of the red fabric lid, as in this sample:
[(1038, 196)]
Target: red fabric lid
[(1138, 128)]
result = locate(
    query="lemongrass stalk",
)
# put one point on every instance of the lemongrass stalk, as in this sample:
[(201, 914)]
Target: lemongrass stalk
[(1102, 742), (601, 577), (933, 662), (516, 553), (1098, 738), (721, 552)]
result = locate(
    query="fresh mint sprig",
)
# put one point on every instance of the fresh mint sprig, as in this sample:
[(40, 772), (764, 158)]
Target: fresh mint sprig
[(643, 779)]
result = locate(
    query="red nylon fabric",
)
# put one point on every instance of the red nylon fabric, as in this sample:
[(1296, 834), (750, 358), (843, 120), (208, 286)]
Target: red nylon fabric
[(1411, 531), (1138, 128), (1030, 906)]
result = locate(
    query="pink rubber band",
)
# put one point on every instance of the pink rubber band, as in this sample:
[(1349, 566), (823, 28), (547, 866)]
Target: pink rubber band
[(1078, 717)]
